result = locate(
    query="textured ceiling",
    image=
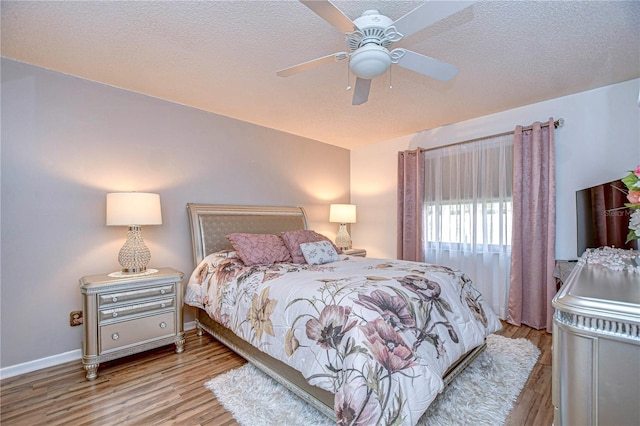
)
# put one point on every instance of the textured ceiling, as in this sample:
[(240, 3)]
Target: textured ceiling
[(222, 56)]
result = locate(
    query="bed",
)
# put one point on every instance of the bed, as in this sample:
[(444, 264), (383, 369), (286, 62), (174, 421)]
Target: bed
[(364, 341)]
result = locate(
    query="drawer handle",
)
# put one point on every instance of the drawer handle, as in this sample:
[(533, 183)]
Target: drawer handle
[(162, 305), (114, 299), (163, 291), (115, 314), (163, 324), (115, 336)]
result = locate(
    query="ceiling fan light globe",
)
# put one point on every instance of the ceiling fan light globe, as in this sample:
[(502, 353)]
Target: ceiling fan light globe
[(370, 61)]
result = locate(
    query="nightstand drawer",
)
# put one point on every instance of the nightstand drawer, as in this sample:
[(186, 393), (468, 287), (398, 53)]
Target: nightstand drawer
[(125, 333), (127, 311), (131, 295)]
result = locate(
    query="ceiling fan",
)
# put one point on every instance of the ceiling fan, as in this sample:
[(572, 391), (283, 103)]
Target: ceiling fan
[(369, 36)]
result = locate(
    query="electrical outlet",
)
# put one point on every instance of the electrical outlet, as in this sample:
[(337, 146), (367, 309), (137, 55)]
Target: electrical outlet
[(75, 318)]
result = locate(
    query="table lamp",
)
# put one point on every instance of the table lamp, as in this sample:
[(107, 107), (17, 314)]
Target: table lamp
[(343, 214), (133, 209)]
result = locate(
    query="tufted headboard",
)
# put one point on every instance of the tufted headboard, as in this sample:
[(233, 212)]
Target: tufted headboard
[(210, 223)]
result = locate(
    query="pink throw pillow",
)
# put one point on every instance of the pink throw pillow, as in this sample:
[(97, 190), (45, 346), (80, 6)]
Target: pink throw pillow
[(293, 239), (259, 249)]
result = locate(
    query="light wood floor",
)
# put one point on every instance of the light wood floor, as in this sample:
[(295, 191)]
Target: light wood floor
[(161, 387)]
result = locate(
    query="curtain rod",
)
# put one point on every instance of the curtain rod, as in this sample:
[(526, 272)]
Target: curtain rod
[(557, 123)]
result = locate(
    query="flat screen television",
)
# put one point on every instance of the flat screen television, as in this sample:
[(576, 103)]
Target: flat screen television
[(602, 218)]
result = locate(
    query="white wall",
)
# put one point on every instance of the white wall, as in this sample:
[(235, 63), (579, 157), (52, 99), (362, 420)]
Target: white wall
[(599, 142), (66, 142)]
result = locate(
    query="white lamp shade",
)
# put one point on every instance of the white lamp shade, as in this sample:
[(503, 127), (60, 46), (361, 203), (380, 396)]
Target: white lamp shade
[(342, 213), (133, 208)]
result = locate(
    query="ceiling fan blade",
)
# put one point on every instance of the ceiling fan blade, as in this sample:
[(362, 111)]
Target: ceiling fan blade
[(425, 65), (427, 14), (330, 13), (361, 91), (305, 66)]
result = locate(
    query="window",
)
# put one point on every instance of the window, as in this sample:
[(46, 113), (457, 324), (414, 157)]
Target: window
[(458, 224), (469, 211)]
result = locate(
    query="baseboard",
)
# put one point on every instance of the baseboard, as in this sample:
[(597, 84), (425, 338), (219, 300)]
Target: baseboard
[(51, 361), (39, 364)]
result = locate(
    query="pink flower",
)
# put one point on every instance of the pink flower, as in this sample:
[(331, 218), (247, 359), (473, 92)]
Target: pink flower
[(637, 171), (354, 407), (393, 309), (329, 329), (387, 347), (424, 288), (633, 197), (228, 270)]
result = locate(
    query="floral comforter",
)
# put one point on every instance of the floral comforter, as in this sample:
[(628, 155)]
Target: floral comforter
[(377, 333)]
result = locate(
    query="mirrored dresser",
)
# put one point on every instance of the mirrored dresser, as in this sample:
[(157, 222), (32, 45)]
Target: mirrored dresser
[(596, 347)]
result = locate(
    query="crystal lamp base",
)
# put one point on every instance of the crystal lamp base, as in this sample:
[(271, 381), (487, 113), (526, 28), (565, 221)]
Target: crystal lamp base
[(134, 255)]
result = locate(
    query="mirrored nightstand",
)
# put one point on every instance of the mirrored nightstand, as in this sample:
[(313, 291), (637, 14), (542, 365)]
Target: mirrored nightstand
[(127, 314)]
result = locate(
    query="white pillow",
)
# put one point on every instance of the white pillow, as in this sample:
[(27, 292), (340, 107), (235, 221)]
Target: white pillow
[(319, 252)]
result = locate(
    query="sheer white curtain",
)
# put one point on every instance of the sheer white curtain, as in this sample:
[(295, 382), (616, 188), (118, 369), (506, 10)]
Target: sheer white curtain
[(468, 213)]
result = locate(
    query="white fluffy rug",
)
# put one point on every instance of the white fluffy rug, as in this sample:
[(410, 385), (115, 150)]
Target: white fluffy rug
[(483, 394)]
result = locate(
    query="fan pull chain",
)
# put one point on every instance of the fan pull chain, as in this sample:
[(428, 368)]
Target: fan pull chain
[(390, 85), (348, 78)]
